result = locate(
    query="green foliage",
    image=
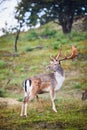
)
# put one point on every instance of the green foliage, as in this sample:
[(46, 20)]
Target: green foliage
[(28, 49), (56, 45), (46, 33), (32, 35), (71, 116), (27, 64), (62, 39), (2, 92), (49, 33), (71, 110), (77, 36), (20, 99), (63, 11), (2, 64), (77, 85)]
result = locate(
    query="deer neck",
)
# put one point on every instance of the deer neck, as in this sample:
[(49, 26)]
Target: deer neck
[(59, 76), (59, 71)]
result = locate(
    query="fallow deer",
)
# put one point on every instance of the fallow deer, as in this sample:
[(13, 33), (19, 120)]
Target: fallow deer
[(46, 82)]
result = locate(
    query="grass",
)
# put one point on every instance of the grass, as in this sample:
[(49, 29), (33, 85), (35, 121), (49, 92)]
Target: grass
[(70, 115), (2, 92), (14, 69), (2, 64)]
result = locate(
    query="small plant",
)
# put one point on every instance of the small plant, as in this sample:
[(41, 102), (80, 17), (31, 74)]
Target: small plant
[(77, 85), (2, 92), (2, 64), (56, 45), (28, 49), (20, 99)]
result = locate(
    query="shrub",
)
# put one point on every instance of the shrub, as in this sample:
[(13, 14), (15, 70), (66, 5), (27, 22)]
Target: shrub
[(48, 32)]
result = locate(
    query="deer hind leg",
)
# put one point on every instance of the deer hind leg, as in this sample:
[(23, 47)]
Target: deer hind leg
[(27, 99), (52, 95), (24, 106), (26, 86)]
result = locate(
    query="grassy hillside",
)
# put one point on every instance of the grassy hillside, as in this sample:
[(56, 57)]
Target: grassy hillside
[(34, 49)]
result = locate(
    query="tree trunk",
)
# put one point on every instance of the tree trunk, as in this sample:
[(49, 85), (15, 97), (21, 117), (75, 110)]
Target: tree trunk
[(16, 40), (66, 14), (67, 26)]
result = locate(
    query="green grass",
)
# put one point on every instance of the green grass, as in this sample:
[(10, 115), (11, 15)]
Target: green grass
[(2, 64), (14, 69), (2, 92), (70, 115), (27, 62)]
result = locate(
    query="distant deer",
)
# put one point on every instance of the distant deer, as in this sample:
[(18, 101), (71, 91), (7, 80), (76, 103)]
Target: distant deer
[(46, 82)]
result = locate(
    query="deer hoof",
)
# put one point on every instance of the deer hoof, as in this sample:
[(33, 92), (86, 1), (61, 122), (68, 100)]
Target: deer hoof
[(21, 115), (25, 115), (54, 110)]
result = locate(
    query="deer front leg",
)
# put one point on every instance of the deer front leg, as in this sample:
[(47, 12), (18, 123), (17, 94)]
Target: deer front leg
[(52, 95)]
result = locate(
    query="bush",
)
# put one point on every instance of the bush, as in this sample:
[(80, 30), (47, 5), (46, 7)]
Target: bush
[(48, 32)]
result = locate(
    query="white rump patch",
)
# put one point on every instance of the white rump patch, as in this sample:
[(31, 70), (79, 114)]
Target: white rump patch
[(27, 87)]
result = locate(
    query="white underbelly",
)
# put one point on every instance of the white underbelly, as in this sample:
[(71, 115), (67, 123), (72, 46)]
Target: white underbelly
[(46, 89)]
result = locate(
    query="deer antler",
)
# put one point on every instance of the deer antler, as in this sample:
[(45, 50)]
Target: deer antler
[(58, 55), (73, 54), (52, 58)]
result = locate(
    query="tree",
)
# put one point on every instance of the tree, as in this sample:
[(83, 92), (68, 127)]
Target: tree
[(33, 12), (18, 29)]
